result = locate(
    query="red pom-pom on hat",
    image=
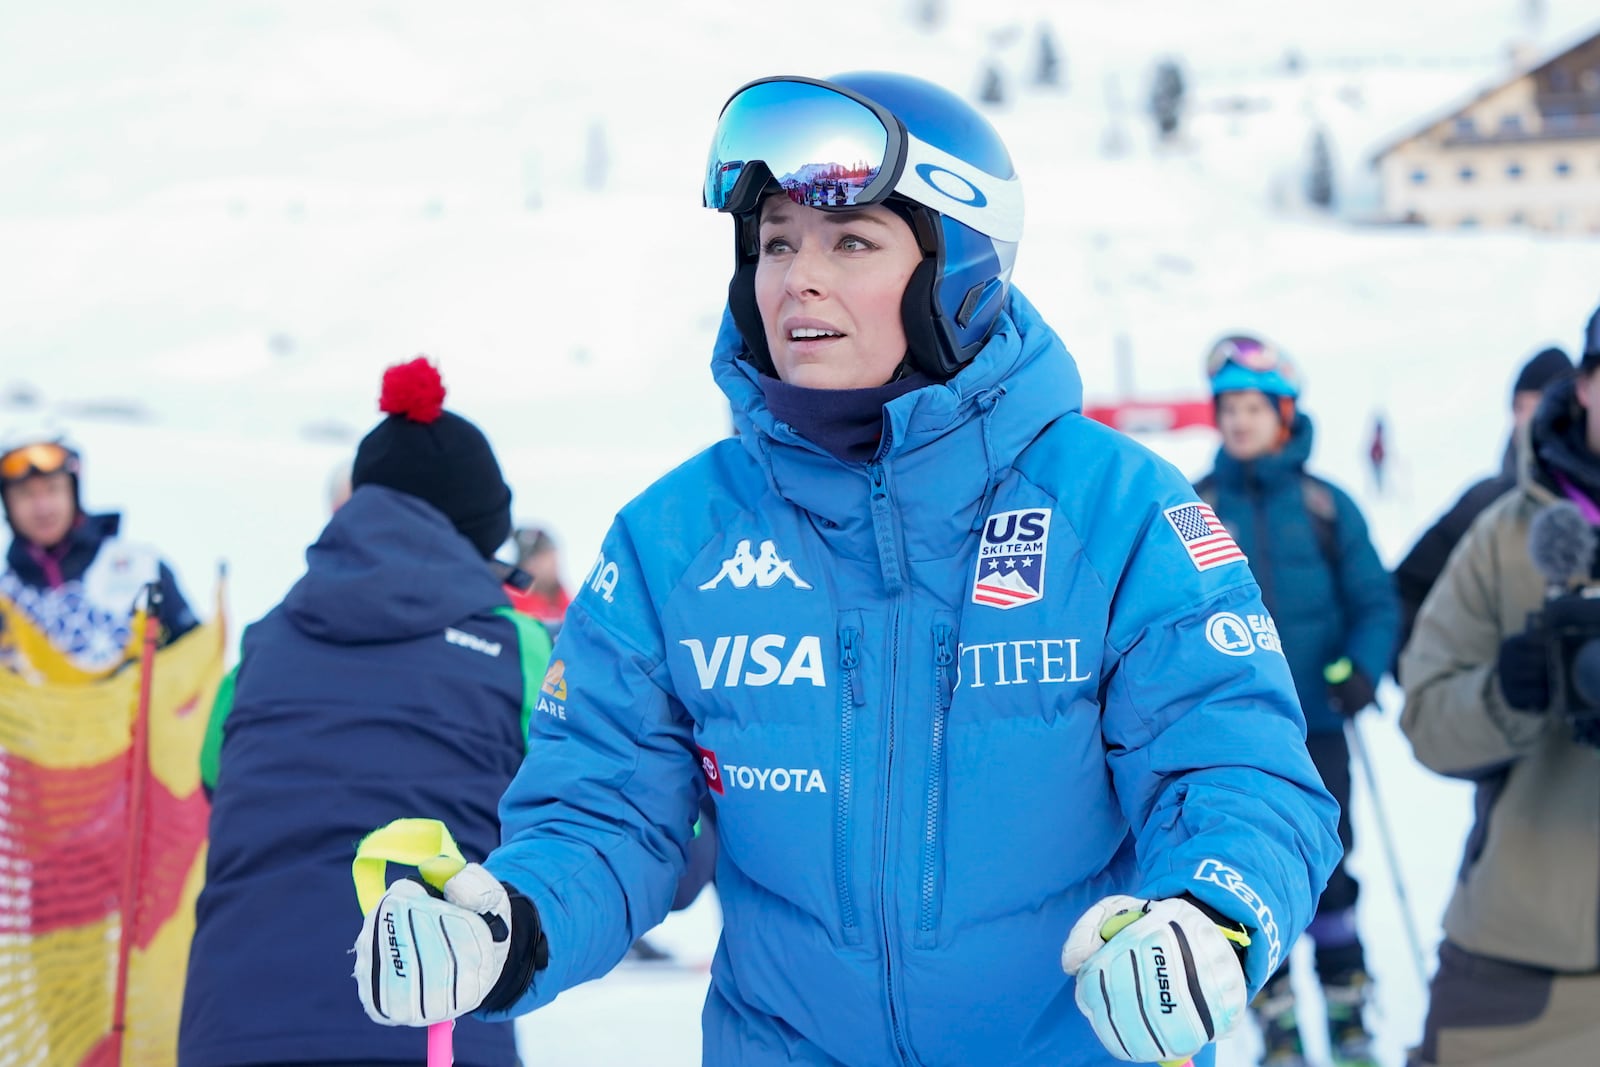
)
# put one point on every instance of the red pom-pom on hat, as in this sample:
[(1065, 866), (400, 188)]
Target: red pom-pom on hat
[(413, 390)]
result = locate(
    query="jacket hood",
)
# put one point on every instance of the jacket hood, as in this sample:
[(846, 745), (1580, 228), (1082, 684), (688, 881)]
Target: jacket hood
[(1275, 467), (389, 567), (1024, 375), (1556, 439)]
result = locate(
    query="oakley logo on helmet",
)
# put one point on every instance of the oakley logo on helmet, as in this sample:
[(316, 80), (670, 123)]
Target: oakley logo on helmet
[(952, 185)]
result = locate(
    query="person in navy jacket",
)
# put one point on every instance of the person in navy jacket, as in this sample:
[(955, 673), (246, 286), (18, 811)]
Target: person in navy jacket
[(71, 574), (392, 681), (1338, 619), (936, 645)]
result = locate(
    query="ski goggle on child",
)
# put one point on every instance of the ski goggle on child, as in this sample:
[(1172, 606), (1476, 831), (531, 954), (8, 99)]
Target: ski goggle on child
[(42, 458), (832, 149), (1252, 354)]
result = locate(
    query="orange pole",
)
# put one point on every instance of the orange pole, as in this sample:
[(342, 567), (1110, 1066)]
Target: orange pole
[(138, 765)]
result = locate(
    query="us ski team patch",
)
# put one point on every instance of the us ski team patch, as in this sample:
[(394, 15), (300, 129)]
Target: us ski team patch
[(1011, 553), (1204, 537)]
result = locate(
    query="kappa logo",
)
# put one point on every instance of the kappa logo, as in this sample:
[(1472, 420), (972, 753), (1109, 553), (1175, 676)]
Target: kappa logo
[(1011, 558), (754, 661), (472, 641), (764, 570), (708, 767), (1219, 873), (1235, 635)]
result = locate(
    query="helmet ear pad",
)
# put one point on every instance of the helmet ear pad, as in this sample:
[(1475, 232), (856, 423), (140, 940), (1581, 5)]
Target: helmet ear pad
[(747, 316), (929, 346)]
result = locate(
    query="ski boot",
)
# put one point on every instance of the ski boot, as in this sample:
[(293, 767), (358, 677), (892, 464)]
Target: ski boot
[(1348, 1040), (1273, 1009)]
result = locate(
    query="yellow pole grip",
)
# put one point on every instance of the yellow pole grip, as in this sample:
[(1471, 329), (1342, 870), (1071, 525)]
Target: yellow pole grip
[(421, 843)]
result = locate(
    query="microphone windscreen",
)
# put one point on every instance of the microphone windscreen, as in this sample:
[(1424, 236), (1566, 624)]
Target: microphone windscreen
[(1561, 543)]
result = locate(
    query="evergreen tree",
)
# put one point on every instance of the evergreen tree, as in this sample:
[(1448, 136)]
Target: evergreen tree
[(1166, 98), (1048, 71), (1319, 172), (994, 86)]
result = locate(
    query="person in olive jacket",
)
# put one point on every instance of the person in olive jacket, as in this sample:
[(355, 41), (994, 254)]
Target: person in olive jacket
[(1518, 981)]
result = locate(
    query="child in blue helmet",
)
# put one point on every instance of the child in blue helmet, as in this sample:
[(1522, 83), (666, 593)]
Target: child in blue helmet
[(1337, 618), (941, 651)]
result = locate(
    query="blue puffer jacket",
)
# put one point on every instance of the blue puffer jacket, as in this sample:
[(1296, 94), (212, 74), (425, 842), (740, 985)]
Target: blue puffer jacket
[(922, 780), (385, 685), (1325, 609)]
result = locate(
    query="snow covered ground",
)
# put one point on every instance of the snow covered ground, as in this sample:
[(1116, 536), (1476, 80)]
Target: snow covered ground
[(220, 222)]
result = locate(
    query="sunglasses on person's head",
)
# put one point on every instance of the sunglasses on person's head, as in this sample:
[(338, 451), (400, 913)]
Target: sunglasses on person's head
[(46, 457)]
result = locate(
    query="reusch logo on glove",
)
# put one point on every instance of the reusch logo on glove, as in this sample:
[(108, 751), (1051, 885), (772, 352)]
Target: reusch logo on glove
[(1162, 982), (395, 957)]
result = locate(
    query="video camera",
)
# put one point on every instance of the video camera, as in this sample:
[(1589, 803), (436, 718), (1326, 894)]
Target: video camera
[(1562, 545)]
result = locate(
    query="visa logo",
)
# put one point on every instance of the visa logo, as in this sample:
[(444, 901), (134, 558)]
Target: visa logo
[(757, 661)]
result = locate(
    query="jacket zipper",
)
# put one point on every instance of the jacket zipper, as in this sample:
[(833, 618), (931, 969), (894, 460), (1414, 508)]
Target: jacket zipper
[(943, 658), (889, 564), (851, 697)]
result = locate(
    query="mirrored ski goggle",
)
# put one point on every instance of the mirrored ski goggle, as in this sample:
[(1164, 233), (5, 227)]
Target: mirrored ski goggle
[(43, 458), (1251, 354), (832, 149)]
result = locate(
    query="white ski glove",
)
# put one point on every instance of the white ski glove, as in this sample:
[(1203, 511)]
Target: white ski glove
[(421, 960), (1157, 979)]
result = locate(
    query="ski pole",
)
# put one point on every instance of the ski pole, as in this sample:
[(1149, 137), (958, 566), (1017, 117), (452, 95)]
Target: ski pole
[(133, 863), (426, 845), (1352, 731)]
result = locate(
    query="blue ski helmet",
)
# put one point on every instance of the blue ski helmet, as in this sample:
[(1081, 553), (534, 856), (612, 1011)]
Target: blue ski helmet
[(1242, 361), (877, 138)]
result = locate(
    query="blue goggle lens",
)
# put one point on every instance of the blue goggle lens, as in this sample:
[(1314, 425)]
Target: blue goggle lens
[(824, 148)]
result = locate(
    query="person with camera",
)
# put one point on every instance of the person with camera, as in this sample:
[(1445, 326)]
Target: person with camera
[(1495, 696), (1415, 575), (1336, 617)]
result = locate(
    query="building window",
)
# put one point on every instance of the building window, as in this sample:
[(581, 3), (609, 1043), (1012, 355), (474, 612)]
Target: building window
[(1563, 168), (1518, 219), (1513, 171), (1419, 177), (1511, 124), (1466, 127), (1589, 81), (1469, 222), (1467, 173)]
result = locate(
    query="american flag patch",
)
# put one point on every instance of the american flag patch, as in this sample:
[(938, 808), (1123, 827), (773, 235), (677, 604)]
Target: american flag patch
[(1203, 536)]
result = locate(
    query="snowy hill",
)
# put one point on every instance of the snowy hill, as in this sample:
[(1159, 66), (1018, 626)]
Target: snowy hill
[(222, 222)]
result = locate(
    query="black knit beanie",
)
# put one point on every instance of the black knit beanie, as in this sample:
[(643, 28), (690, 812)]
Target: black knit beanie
[(1547, 366), (436, 456)]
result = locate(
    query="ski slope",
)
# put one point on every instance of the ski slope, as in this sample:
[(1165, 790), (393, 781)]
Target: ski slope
[(221, 223)]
